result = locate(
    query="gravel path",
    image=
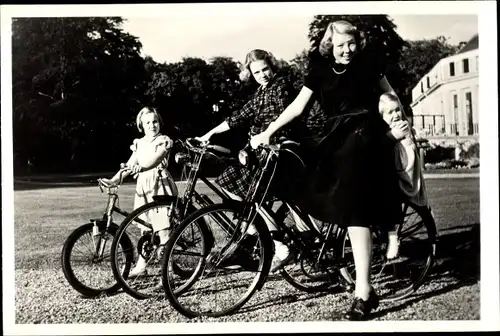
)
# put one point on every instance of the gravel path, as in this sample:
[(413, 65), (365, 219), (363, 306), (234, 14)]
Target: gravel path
[(43, 296)]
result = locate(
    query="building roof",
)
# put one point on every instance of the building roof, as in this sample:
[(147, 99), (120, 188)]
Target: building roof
[(471, 45)]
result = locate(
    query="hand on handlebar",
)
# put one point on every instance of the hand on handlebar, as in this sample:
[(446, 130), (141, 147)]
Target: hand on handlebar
[(259, 139), (204, 139), (132, 169)]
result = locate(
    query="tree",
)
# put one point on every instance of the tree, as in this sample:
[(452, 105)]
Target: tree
[(301, 62), (76, 81), (379, 30)]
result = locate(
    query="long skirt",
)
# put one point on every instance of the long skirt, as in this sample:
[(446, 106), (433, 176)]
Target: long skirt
[(350, 177)]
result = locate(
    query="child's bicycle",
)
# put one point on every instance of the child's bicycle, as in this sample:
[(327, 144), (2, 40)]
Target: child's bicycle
[(85, 256), (237, 264), (175, 208)]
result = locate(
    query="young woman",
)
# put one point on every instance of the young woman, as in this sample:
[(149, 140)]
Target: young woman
[(351, 179), (272, 96)]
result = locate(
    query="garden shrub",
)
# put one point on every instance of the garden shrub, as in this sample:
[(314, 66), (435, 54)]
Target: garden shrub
[(438, 153)]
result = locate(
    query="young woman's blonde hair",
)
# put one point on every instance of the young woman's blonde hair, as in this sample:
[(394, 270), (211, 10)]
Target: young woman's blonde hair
[(143, 111), (257, 55), (340, 27)]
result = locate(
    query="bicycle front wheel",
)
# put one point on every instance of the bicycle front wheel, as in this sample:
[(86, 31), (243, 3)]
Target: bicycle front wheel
[(229, 272), (144, 279), (398, 279), (86, 259)]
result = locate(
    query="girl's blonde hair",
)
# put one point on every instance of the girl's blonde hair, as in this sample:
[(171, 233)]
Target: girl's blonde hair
[(340, 27), (143, 111), (257, 55), (390, 97)]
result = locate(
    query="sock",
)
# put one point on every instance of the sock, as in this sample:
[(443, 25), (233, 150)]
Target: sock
[(281, 249), (393, 245), (163, 234), (251, 229)]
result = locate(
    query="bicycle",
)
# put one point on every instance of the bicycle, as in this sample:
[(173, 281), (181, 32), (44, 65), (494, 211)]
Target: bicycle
[(165, 207), (321, 260), (90, 274)]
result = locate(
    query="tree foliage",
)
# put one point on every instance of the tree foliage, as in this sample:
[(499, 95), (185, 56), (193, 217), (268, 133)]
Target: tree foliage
[(75, 82), (78, 84)]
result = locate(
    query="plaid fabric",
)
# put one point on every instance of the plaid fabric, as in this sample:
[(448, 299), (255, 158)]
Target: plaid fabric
[(264, 107), (236, 180)]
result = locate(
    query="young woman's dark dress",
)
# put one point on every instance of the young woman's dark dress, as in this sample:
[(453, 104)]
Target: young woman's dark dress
[(350, 179)]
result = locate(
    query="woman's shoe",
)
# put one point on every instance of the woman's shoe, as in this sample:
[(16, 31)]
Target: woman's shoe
[(138, 271), (361, 309)]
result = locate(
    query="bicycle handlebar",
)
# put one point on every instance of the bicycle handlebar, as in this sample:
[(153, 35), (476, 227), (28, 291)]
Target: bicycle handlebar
[(197, 144)]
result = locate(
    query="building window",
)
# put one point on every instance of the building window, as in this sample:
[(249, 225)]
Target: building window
[(421, 87), (465, 63), (454, 128), (452, 69), (428, 82), (468, 113)]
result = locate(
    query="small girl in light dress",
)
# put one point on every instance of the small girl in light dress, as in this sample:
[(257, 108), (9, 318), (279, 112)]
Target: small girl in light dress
[(148, 164), (408, 166)]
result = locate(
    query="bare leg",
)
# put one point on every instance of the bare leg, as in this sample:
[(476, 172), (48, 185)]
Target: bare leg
[(282, 251), (361, 242)]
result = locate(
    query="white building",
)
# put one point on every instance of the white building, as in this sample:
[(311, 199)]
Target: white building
[(445, 101)]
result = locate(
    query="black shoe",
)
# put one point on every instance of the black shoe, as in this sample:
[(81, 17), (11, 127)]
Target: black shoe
[(361, 309)]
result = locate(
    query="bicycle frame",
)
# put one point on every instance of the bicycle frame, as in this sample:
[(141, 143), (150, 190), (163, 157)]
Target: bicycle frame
[(191, 159), (255, 202)]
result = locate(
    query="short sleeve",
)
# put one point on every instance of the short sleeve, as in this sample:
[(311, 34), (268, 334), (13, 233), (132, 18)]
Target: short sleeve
[(243, 117), (313, 76), (133, 147), (285, 94), (163, 141)]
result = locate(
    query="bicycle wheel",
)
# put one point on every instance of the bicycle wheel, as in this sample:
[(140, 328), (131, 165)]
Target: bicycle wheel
[(145, 245), (417, 250), (221, 284), (315, 270), (86, 259)]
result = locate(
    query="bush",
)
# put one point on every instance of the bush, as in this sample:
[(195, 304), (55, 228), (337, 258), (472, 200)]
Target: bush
[(471, 152), (438, 153), (448, 164)]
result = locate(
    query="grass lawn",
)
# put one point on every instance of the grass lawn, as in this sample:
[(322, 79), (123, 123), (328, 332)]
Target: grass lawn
[(45, 217)]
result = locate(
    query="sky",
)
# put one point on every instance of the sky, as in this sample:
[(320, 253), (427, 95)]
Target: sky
[(168, 39)]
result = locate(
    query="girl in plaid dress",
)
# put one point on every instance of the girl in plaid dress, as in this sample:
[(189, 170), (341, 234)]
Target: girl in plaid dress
[(273, 95)]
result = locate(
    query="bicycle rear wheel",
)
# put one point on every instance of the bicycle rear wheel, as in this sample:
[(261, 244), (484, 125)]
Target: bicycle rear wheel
[(86, 259), (137, 226), (397, 280), (216, 288)]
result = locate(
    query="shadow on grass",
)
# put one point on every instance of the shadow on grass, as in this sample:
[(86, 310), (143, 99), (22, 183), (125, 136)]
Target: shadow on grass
[(457, 264), (287, 298)]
